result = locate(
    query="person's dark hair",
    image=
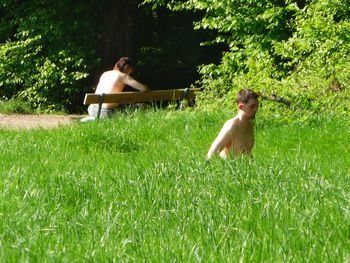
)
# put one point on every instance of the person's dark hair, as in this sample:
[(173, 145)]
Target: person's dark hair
[(123, 63), (244, 95)]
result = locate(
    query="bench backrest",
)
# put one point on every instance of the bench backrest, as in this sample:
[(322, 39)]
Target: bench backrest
[(134, 97)]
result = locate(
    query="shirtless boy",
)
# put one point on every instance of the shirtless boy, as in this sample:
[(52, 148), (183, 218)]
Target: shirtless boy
[(114, 81), (237, 134)]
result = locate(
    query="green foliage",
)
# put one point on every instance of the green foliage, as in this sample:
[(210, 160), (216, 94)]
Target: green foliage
[(48, 56), (296, 49), (43, 58), (18, 106)]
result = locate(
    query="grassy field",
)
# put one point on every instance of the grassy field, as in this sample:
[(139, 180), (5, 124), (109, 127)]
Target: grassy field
[(137, 188)]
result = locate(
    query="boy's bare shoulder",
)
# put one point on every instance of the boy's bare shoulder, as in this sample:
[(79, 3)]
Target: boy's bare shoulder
[(231, 123)]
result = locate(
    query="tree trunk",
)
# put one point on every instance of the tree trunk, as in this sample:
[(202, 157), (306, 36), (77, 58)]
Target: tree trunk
[(117, 38)]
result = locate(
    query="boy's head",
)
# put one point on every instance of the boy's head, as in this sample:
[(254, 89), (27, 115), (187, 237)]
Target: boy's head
[(125, 65), (247, 101)]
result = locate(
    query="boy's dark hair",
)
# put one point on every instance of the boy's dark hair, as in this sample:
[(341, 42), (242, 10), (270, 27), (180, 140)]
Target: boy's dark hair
[(244, 95), (124, 62)]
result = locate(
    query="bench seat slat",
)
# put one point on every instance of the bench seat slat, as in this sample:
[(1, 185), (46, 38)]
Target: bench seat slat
[(133, 97)]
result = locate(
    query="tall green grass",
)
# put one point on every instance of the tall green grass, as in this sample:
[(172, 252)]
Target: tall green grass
[(16, 106), (136, 188)]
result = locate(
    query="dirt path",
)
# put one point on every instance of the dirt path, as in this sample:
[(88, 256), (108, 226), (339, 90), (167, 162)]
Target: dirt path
[(15, 121)]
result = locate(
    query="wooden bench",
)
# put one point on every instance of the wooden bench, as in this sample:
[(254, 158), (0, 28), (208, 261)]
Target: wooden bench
[(139, 97)]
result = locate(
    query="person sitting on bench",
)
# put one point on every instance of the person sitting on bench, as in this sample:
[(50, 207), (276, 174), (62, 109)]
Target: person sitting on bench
[(114, 81)]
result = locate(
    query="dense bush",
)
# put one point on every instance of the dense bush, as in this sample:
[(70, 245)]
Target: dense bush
[(297, 49), (53, 53), (43, 59)]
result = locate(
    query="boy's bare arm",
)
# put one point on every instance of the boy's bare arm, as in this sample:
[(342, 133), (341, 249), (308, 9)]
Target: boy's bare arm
[(222, 140)]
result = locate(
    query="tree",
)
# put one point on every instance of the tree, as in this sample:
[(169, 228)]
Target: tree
[(120, 26), (169, 49), (43, 59), (292, 48), (51, 56)]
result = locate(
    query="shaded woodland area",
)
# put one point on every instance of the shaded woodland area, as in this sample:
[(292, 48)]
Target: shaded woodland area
[(51, 53), (67, 46), (165, 44)]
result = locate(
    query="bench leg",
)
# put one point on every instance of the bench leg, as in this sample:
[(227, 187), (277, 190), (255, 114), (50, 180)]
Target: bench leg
[(100, 102), (184, 101)]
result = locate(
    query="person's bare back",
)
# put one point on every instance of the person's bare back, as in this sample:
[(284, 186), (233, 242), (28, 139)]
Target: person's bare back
[(237, 134), (114, 81), (110, 82)]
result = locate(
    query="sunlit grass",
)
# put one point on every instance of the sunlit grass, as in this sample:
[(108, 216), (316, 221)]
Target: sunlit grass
[(136, 187)]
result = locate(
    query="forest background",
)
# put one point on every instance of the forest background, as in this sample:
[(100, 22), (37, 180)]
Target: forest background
[(52, 52)]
